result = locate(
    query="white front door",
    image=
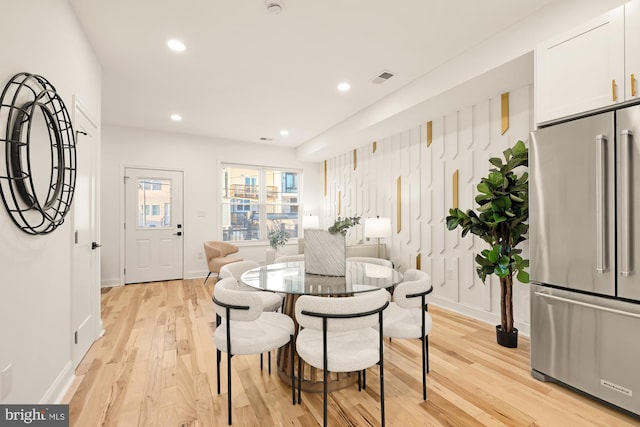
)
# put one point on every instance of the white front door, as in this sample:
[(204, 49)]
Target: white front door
[(153, 225), (85, 284)]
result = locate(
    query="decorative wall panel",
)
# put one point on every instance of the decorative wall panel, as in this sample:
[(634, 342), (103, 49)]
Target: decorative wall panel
[(414, 176)]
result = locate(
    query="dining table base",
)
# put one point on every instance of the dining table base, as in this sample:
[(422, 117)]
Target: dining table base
[(312, 378)]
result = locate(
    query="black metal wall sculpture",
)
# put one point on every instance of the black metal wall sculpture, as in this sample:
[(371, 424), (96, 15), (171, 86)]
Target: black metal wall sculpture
[(35, 205)]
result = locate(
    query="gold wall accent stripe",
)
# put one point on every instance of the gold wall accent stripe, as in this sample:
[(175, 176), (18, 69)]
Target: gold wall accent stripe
[(505, 112), (419, 262), (355, 159), (399, 205), (429, 133), (455, 189), (325, 178), (339, 202), (374, 146)]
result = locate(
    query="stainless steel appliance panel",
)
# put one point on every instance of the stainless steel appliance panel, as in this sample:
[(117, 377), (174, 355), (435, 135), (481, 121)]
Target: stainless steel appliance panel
[(628, 205), (572, 204), (587, 342)]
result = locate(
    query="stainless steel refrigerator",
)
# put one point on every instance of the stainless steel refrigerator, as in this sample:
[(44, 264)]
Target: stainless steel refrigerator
[(584, 250)]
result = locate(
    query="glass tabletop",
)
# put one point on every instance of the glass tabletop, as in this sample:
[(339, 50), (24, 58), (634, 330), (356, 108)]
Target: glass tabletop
[(290, 278)]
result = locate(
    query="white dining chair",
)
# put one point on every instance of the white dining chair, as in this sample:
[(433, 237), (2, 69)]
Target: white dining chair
[(408, 317), (289, 258), (270, 300), (371, 260), (341, 335), (243, 327)]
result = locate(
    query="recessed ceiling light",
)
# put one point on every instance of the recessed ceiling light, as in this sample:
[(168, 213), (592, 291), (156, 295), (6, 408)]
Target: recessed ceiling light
[(343, 87), (284, 132), (176, 45), (176, 117)]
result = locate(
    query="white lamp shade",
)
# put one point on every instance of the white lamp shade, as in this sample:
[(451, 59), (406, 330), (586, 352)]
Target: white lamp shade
[(377, 227), (310, 221)]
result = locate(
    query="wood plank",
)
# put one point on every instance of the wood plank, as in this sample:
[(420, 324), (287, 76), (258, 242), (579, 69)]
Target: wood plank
[(155, 366)]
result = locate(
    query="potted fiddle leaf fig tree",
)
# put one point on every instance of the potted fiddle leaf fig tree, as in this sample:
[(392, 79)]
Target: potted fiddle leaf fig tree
[(501, 221)]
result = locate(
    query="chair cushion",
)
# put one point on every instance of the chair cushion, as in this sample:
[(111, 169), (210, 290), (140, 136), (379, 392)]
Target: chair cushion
[(346, 351), (268, 332), (404, 322), (270, 300)]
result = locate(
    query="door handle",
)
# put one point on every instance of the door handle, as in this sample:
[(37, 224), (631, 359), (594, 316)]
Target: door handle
[(601, 197), (179, 233), (95, 245), (625, 214)]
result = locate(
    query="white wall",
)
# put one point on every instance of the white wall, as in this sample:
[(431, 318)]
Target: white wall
[(463, 139), (394, 112), (41, 37), (200, 160)]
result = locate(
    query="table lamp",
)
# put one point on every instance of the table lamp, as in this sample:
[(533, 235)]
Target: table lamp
[(377, 228), (310, 221)]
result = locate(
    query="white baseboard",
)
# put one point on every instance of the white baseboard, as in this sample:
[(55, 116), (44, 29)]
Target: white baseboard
[(107, 283), (481, 315), (62, 383), (196, 274)]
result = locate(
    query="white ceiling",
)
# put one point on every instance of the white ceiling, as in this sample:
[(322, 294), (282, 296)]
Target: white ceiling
[(247, 74)]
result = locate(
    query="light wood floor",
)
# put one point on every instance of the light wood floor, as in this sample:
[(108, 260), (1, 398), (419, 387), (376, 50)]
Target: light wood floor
[(155, 366)]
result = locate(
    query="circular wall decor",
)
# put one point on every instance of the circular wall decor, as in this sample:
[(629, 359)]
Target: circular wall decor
[(38, 163)]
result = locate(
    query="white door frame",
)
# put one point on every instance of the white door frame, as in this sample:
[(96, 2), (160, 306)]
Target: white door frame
[(96, 328), (123, 212)]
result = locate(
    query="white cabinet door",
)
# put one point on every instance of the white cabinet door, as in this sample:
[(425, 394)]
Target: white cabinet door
[(632, 49), (582, 69)]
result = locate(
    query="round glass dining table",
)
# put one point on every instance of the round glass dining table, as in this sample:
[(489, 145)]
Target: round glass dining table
[(290, 279)]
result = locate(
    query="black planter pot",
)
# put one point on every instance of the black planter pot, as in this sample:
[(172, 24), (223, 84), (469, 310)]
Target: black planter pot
[(509, 340)]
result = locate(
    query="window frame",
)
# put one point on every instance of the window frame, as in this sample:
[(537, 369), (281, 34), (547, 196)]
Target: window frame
[(262, 200)]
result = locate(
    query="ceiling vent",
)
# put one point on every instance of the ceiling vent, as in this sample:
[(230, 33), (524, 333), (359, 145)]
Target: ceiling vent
[(382, 77), (265, 139)]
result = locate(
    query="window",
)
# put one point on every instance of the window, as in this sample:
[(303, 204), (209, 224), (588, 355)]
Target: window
[(257, 200), (154, 203)]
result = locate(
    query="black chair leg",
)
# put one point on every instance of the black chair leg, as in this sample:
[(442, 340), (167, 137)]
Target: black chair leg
[(325, 392), (205, 280), (364, 379), (381, 391), (218, 357), (427, 351), (293, 389), (261, 361), (229, 386), (425, 365), (359, 380), (300, 375), (269, 359)]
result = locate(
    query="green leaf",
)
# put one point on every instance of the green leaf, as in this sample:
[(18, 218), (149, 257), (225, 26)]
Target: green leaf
[(493, 256), (523, 276), (519, 149), (483, 187), (496, 161)]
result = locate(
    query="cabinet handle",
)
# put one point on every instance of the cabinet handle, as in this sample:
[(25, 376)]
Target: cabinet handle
[(633, 85), (614, 95)]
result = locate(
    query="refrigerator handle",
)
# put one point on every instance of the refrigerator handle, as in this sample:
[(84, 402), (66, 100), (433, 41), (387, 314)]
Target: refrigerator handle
[(625, 215), (588, 305), (601, 201)]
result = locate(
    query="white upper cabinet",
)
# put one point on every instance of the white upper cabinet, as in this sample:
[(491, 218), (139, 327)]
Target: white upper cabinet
[(583, 69), (632, 49)]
